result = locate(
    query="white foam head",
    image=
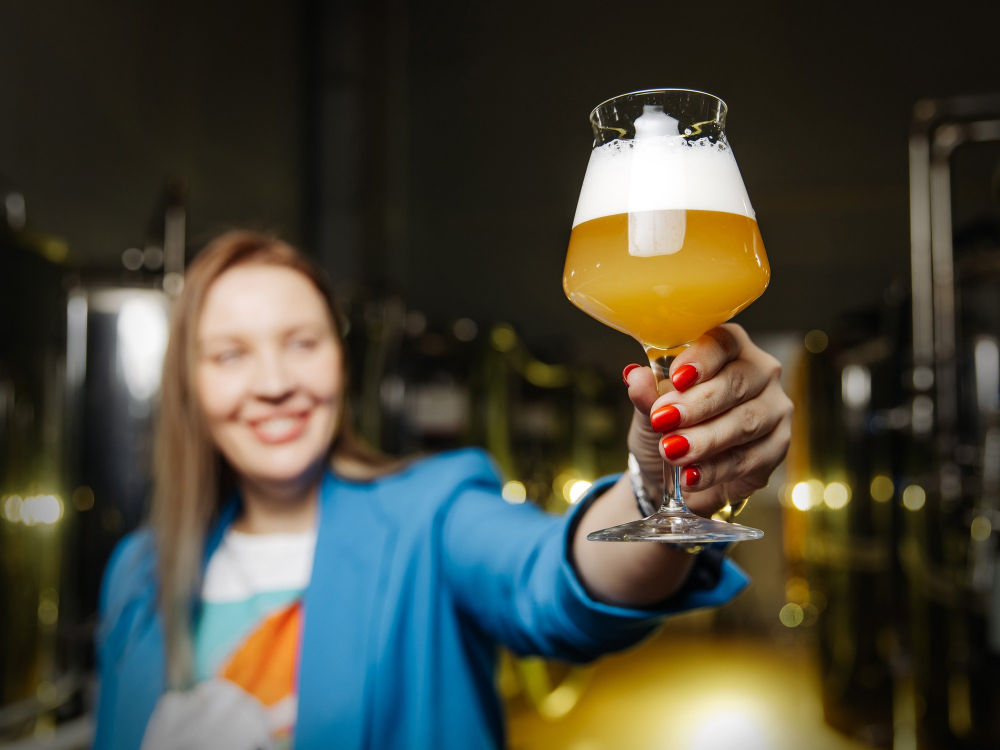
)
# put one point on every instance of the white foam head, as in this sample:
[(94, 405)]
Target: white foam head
[(660, 170)]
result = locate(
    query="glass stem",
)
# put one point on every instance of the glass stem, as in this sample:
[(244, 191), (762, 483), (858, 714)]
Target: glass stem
[(659, 361)]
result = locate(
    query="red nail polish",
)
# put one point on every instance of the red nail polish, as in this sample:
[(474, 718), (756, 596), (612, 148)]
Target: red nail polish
[(665, 418), (684, 377), (691, 476), (627, 370), (675, 446)]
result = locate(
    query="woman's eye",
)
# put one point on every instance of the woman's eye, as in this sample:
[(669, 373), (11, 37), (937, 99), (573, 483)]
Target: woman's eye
[(228, 357), (304, 344)]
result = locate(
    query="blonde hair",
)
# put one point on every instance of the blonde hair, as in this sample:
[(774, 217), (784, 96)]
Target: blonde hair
[(191, 477)]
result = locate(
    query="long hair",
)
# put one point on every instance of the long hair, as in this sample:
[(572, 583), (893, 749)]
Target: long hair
[(191, 477)]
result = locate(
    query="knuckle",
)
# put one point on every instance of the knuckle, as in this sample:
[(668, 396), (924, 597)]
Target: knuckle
[(751, 422), (725, 340), (773, 367), (739, 383), (709, 393), (736, 331), (789, 407)]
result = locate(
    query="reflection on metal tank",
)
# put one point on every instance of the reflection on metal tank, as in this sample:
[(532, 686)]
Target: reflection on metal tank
[(902, 409), (32, 491), (116, 340)]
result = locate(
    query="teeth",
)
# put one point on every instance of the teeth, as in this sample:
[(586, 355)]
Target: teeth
[(277, 427)]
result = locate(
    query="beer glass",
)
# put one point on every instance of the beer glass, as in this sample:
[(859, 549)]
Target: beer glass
[(665, 247)]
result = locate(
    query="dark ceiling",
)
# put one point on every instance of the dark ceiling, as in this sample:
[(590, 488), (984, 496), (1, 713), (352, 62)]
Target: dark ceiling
[(480, 136)]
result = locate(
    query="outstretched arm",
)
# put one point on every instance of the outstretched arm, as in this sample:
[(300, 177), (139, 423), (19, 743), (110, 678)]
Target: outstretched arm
[(727, 421)]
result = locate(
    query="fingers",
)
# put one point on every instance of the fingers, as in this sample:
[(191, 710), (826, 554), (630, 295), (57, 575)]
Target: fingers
[(737, 382), (641, 387), (741, 424), (707, 355), (750, 465)]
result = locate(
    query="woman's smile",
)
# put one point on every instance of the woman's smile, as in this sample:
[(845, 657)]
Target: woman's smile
[(280, 428)]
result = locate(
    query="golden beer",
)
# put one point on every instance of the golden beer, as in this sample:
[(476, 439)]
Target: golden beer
[(712, 266)]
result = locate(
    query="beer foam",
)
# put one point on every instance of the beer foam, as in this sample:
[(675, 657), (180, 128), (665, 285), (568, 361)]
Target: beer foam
[(661, 172)]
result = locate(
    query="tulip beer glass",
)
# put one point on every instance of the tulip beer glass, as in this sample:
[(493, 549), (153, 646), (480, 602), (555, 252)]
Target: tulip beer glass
[(665, 247)]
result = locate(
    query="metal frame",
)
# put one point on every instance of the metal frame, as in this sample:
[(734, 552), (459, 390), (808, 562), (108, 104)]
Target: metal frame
[(939, 127)]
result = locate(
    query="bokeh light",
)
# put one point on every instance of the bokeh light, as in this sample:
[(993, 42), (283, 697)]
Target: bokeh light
[(791, 615), (836, 495), (12, 508), (816, 341), (41, 509), (882, 489), (83, 498), (514, 493), (981, 528), (806, 495), (577, 490), (914, 497), (731, 728)]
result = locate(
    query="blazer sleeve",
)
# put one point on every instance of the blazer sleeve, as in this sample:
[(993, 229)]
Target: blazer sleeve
[(510, 571), (122, 613)]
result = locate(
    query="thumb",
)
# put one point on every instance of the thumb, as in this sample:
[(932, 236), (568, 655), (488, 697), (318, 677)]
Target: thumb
[(641, 387)]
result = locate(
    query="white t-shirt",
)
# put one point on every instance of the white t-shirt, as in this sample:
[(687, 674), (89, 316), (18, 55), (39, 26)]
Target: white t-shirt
[(246, 647)]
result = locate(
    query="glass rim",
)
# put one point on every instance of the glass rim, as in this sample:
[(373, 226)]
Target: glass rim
[(725, 107)]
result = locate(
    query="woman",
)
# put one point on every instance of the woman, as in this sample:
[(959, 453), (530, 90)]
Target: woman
[(298, 589)]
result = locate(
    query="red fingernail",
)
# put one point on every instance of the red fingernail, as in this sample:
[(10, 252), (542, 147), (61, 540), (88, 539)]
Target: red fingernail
[(684, 377), (674, 446), (691, 476), (665, 418), (627, 370)]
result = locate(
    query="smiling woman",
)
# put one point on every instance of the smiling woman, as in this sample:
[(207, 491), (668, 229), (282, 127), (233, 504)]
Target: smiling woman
[(253, 395), (270, 380), (299, 588)]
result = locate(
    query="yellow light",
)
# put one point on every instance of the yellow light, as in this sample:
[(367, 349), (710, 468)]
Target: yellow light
[(48, 613), (503, 338), (83, 498), (729, 728), (810, 615), (514, 493), (45, 509), (914, 497), (836, 495), (785, 494), (791, 615), (577, 490), (800, 496), (12, 508), (806, 495), (560, 701), (882, 489), (797, 590), (46, 693), (816, 341), (981, 528)]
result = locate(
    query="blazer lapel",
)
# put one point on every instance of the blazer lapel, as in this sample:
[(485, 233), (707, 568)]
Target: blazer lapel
[(354, 549)]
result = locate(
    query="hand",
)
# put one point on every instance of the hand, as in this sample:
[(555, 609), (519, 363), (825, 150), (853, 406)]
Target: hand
[(725, 419)]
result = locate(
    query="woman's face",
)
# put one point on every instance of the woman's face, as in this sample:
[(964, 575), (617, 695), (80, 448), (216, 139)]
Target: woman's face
[(269, 372)]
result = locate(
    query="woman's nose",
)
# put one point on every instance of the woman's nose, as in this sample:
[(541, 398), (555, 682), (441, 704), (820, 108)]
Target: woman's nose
[(273, 380)]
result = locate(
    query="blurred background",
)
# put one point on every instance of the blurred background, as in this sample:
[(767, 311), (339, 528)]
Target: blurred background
[(429, 155)]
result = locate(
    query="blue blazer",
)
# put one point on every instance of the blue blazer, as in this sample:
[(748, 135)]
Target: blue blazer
[(418, 577)]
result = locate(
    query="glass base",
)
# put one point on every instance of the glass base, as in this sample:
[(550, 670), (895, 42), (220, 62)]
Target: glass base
[(676, 526)]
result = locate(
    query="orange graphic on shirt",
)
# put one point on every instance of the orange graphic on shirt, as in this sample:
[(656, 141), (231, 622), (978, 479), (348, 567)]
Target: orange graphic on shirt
[(264, 665)]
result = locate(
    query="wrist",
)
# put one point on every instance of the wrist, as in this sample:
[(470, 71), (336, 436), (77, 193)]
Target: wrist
[(648, 494)]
